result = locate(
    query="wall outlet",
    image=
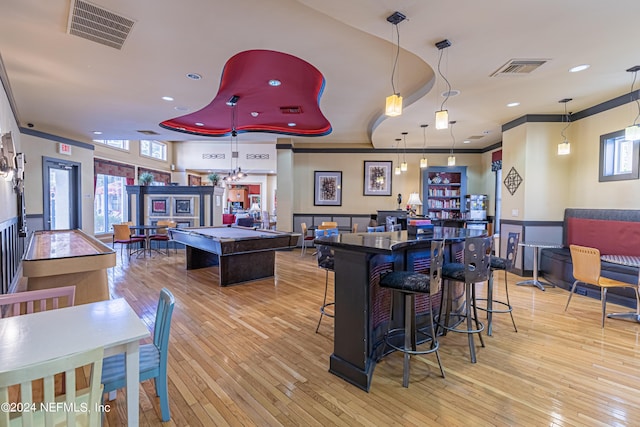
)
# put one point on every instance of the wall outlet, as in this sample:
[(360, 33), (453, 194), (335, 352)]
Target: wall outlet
[(515, 212)]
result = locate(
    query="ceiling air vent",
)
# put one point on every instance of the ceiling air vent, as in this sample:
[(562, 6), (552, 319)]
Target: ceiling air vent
[(148, 132), (518, 67), (291, 110), (94, 23)]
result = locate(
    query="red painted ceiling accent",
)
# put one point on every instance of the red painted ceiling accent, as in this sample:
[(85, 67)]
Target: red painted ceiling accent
[(246, 75)]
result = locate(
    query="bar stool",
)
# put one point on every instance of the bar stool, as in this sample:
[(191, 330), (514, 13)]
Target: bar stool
[(325, 261), (504, 264), (407, 284), (476, 268)]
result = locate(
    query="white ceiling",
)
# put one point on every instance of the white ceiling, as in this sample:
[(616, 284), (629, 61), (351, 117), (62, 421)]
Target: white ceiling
[(69, 86)]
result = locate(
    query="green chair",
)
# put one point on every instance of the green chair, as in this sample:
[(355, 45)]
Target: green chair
[(153, 357)]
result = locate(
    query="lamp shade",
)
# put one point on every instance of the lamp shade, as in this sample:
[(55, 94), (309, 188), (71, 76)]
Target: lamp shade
[(632, 133), (255, 207), (397, 170), (442, 119), (414, 200), (393, 106), (423, 163), (564, 148), (404, 167), (451, 161)]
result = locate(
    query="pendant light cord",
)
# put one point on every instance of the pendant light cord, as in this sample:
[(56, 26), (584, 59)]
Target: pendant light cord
[(445, 79), (564, 137), (395, 61), (635, 73), (452, 137)]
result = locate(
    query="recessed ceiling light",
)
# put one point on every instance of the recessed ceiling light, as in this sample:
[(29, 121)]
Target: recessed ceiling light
[(513, 104), (254, 114), (167, 98), (579, 68), (466, 141), (97, 132), (194, 76), (199, 124), (274, 82), (181, 108), (291, 124)]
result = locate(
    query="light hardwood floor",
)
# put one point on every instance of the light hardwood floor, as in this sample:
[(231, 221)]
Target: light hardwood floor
[(247, 355)]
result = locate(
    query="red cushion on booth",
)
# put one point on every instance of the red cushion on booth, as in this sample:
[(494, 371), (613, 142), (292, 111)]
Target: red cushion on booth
[(610, 237), (228, 218)]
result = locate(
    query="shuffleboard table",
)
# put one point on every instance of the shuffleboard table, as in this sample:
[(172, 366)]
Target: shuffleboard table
[(68, 258), (241, 253)]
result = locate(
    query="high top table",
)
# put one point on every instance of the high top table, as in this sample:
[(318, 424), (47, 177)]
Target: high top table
[(631, 261), (362, 306), (536, 248), (47, 335)]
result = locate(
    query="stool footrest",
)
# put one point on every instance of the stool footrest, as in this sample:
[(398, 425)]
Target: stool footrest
[(509, 308), (399, 332)]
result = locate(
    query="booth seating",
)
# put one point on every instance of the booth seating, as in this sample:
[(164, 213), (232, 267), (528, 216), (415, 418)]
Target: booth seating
[(228, 219), (612, 232)]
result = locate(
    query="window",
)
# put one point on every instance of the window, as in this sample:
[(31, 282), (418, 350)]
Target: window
[(618, 157), (110, 205), (153, 149), (122, 144)]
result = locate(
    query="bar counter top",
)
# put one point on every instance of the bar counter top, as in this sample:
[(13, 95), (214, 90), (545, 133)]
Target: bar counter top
[(390, 241)]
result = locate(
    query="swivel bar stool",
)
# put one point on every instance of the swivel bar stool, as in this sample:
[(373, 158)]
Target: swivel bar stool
[(474, 269), (504, 264), (407, 284), (325, 261)]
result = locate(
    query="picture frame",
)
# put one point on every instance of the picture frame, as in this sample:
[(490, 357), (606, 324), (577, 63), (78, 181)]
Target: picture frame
[(327, 188), (377, 178), (159, 206), (183, 207)]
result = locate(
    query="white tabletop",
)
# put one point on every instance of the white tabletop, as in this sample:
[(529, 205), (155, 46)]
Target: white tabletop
[(37, 337)]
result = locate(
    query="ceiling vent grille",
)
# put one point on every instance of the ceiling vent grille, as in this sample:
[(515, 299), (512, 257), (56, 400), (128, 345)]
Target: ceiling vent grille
[(148, 132), (291, 110), (519, 67), (93, 23)]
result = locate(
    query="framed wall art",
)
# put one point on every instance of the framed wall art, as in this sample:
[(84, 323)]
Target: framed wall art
[(377, 178), (327, 188), (183, 207), (159, 206)]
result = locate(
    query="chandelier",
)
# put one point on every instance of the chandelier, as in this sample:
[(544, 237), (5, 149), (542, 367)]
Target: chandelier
[(235, 173)]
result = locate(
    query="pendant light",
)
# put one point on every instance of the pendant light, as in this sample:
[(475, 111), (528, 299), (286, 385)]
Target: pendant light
[(393, 105), (564, 148), (632, 133), (442, 116), (397, 169), (451, 160), (403, 166), (423, 161)]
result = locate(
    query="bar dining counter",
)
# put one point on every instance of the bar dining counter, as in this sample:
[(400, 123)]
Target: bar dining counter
[(362, 307)]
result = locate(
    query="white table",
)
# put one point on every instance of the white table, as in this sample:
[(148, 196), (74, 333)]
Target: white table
[(47, 335), (631, 261), (536, 248)]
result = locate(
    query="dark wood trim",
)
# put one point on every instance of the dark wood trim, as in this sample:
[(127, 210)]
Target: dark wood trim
[(532, 223)]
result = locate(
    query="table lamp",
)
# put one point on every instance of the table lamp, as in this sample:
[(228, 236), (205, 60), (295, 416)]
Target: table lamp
[(414, 201)]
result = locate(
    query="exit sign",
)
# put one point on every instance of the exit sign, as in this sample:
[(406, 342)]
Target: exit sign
[(64, 148)]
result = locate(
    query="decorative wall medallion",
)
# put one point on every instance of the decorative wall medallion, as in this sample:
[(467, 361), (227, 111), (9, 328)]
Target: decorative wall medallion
[(512, 180)]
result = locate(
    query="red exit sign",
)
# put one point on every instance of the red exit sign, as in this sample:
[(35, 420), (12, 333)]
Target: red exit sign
[(64, 148)]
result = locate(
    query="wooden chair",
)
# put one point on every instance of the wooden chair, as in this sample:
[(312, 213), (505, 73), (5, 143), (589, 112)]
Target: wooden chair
[(329, 224), (153, 357), (586, 269), (354, 229), (33, 301), (88, 398), (122, 235), (305, 238), (162, 235)]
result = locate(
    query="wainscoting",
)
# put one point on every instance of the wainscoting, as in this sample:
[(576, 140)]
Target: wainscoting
[(11, 250)]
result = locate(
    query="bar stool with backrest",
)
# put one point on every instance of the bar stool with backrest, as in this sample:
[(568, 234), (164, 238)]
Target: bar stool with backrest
[(586, 269), (408, 284), (474, 269), (504, 264), (326, 262), (305, 238)]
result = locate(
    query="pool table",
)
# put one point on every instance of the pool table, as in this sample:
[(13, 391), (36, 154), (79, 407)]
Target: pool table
[(241, 253)]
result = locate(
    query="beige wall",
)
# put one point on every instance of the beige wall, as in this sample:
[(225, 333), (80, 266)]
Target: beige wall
[(35, 149), (8, 201), (480, 179)]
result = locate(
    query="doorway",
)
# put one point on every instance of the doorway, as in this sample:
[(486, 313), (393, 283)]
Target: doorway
[(61, 184)]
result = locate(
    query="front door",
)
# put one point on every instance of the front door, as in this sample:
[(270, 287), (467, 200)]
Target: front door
[(61, 196)]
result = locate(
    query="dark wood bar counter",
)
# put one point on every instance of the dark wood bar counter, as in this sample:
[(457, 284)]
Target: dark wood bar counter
[(362, 309)]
